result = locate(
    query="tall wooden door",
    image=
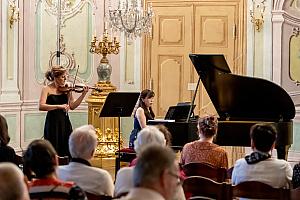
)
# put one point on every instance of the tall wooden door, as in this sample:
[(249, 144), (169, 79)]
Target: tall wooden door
[(170, 71), (215, 33), (181, 28)]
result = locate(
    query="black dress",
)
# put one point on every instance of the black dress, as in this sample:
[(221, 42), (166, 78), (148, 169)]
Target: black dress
[(136, 128), (57, 125)]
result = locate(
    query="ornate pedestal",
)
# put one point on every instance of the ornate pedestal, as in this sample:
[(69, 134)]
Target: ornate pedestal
[(106, 127)]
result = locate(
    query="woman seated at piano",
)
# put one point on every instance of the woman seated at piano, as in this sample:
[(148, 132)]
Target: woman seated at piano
[(142, 114), (204, 150)]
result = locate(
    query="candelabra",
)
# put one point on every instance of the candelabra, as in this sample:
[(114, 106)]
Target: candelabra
[(131, 18), (104, 47)]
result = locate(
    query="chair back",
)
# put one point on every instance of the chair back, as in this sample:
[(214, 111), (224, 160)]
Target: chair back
[(205, 170), (91, 196), (259, 190), (204, 188), (48, 195), (63, 160), (295, 194)]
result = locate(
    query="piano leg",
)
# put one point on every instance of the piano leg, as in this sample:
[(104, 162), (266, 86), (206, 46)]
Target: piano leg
[(282, 151)]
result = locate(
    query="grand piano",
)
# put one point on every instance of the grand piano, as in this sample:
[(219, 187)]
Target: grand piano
[(240, 102)]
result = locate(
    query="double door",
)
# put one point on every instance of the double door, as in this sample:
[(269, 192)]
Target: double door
[(181, 28)]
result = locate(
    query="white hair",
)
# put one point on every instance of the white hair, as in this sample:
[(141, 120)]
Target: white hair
[(83, 142), (149, 135), (12, 184)]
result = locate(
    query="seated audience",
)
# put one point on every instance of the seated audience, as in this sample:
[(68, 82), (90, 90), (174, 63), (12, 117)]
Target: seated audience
[(204, 150), (259, 165), (147, 136), (7, 154), (41, 160), (155, 175), (152, 137), (296, 176), (12, 184), (82, 145)]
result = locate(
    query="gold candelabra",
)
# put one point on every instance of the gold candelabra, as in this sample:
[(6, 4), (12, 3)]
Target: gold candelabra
[(105, 47)]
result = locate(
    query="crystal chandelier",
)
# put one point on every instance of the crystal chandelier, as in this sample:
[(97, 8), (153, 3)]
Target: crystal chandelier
[(131, 18)]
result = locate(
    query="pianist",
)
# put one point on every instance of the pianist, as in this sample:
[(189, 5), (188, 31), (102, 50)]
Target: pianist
[(203, 150), (142, 114)]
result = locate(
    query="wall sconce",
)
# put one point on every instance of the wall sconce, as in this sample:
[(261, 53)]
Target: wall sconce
[(257, 13), (14, 17)]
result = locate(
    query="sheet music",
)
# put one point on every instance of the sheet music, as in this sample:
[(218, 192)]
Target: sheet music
[(161, 120)]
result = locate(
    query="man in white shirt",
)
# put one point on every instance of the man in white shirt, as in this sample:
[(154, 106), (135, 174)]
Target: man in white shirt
[(155, 176), (259, 166), (82, 145)]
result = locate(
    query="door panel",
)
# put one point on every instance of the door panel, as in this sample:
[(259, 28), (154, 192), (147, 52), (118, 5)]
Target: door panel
[(214, 34), (172, 42)]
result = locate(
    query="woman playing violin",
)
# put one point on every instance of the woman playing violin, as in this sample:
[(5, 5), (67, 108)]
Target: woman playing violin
[(57, 102)]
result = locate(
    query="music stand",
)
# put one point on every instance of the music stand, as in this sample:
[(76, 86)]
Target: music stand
[(119, 104)]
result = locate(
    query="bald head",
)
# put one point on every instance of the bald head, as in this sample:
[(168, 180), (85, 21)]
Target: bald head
[(12, 183)]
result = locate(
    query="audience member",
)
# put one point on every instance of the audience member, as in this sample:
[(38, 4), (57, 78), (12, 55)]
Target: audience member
[(41, 160), (82, 145), (150, 135), (155, 176), (147, 136), (124, 179), (12, 184), (259, 165), (7, 154), (296, 176), (204, 150), (166, 132)]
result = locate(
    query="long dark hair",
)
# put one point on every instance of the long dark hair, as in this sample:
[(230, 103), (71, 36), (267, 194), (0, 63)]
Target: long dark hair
[(4, 137), (54, 72), (146, 94)]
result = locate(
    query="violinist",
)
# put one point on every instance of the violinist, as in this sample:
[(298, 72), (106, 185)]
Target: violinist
[(58, 101)]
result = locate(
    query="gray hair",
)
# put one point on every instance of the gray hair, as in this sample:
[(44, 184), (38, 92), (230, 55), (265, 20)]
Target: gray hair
[(151, 163), (83, 142), (12, 185), (149, 135)]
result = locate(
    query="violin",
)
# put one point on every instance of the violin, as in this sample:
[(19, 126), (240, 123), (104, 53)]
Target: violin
[(68, 87)]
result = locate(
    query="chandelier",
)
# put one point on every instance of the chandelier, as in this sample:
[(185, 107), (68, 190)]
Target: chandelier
[(130, 17)]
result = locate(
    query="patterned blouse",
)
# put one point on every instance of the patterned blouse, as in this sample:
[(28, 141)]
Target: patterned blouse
[(296, 176), (207, 152)]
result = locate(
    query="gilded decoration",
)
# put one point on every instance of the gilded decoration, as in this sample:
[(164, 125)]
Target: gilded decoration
[(295, 56)]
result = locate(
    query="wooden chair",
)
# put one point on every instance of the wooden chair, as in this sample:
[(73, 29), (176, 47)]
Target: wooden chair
[(295, 194), (205, 170), (63, 160), (91, 196), (259, 190), (48, 195), (204, 188)]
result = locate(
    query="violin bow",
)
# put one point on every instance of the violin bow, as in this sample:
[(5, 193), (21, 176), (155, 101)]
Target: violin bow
[(73, 84)]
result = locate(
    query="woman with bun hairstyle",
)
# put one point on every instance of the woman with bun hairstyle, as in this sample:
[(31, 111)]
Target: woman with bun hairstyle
[(57, 123), (204, 150)]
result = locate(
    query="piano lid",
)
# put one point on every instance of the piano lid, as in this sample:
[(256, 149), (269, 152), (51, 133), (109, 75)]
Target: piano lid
[(237, 97)]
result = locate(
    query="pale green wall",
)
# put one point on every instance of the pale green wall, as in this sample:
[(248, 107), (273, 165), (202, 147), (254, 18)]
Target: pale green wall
[(34, 124), (126, 128), (296, 133), (12, 125)]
